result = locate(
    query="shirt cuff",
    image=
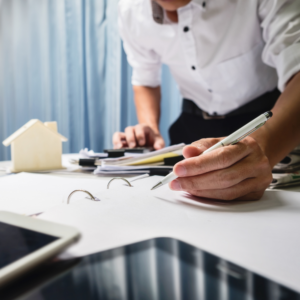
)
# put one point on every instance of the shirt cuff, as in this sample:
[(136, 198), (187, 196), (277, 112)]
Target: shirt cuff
[(288, 64), (144, 77)]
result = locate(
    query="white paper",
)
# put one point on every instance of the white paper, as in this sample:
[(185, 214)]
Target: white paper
[(132, 168), (125, 160), (132, 179), (129, 169), (85, 153), (116, 172), (294, 159), (28, 193), (262, 236)]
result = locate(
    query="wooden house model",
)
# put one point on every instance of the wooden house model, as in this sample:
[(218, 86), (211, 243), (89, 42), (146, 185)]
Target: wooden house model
[(36, 146)]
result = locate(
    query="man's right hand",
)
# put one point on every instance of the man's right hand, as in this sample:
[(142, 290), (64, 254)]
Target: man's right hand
[(138, 136)]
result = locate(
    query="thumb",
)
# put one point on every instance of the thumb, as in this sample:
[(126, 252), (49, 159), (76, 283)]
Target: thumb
[(159, 143), (198, 147)]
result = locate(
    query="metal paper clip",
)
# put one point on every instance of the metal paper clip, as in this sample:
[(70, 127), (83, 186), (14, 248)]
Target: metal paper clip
[(118, 178), (91, 196)]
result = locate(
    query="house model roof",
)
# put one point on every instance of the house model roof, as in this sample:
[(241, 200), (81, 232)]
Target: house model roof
[(31, 123)]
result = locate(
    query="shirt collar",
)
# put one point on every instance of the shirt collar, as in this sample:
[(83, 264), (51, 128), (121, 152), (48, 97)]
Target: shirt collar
[(158, 11)]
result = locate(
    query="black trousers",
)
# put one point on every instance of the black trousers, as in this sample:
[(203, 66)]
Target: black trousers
[(190, 127)]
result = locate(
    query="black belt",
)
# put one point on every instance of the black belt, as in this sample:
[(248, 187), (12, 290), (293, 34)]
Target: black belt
[(263, 103)]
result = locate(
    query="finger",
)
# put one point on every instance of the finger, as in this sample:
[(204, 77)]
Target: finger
[(246, 189), (159, 143), (220, 179), (130, 136), (206, 143), (215, 160), (119, 139), (196, 148), (140, 133), (191, 151), (153, 139)]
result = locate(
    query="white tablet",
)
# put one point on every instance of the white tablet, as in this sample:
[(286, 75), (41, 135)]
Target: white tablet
[(26, 242)]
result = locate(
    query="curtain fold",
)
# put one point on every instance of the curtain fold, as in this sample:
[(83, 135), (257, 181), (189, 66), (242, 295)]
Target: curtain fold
[(62, 60)]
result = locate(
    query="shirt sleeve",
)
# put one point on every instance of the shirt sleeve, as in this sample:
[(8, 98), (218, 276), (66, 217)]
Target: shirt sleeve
[(146, 63), (280, 21)]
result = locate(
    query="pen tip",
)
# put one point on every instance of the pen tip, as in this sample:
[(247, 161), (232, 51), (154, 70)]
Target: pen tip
[(268, 114), (156, 186)]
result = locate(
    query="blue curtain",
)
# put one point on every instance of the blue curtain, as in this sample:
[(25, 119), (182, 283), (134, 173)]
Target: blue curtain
[(62, 60)]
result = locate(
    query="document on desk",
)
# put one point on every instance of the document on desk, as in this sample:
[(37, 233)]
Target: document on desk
[(28, 193), (251, 234)]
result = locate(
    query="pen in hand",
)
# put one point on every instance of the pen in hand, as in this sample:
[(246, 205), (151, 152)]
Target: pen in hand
[(229, 140)]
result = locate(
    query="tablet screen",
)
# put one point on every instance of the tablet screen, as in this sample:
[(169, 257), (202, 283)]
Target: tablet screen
[(17, 242), (160, 268)]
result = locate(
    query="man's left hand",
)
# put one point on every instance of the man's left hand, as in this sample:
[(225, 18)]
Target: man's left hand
[(236, 172)]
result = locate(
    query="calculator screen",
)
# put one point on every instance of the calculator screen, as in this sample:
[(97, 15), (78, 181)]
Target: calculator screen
[(17, 242)]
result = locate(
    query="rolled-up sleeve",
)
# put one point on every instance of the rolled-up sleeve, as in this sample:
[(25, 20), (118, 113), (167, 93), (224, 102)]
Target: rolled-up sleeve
[(146, 63), (280, 21)]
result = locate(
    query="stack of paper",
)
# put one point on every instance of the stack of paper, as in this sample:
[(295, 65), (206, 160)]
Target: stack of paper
[(142, 163), (289, 164), (286, 172), (285, 180), (296, 150)]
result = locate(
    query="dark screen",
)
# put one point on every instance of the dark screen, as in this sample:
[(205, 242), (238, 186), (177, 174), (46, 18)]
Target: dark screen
[(17, 242), (157, 269)]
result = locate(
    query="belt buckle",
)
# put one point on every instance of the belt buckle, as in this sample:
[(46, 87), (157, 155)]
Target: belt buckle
[(206, 116)]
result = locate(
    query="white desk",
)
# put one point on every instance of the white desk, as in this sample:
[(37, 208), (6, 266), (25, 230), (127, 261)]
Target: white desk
[(214, 247), (66, 157)]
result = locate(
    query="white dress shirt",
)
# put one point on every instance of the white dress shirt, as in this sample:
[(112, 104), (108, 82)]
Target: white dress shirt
[(222, 53)]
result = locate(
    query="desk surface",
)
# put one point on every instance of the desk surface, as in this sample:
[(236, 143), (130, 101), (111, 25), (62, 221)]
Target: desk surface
[(85, 275), (66, 157)]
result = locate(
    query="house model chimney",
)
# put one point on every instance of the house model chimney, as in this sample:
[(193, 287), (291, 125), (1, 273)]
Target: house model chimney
[(51, 125)]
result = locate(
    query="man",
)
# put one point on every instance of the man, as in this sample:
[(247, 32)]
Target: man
[(227, 58)]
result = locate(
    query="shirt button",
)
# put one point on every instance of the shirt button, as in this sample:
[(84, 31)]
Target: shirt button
[(186, 29), (193, 68)]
